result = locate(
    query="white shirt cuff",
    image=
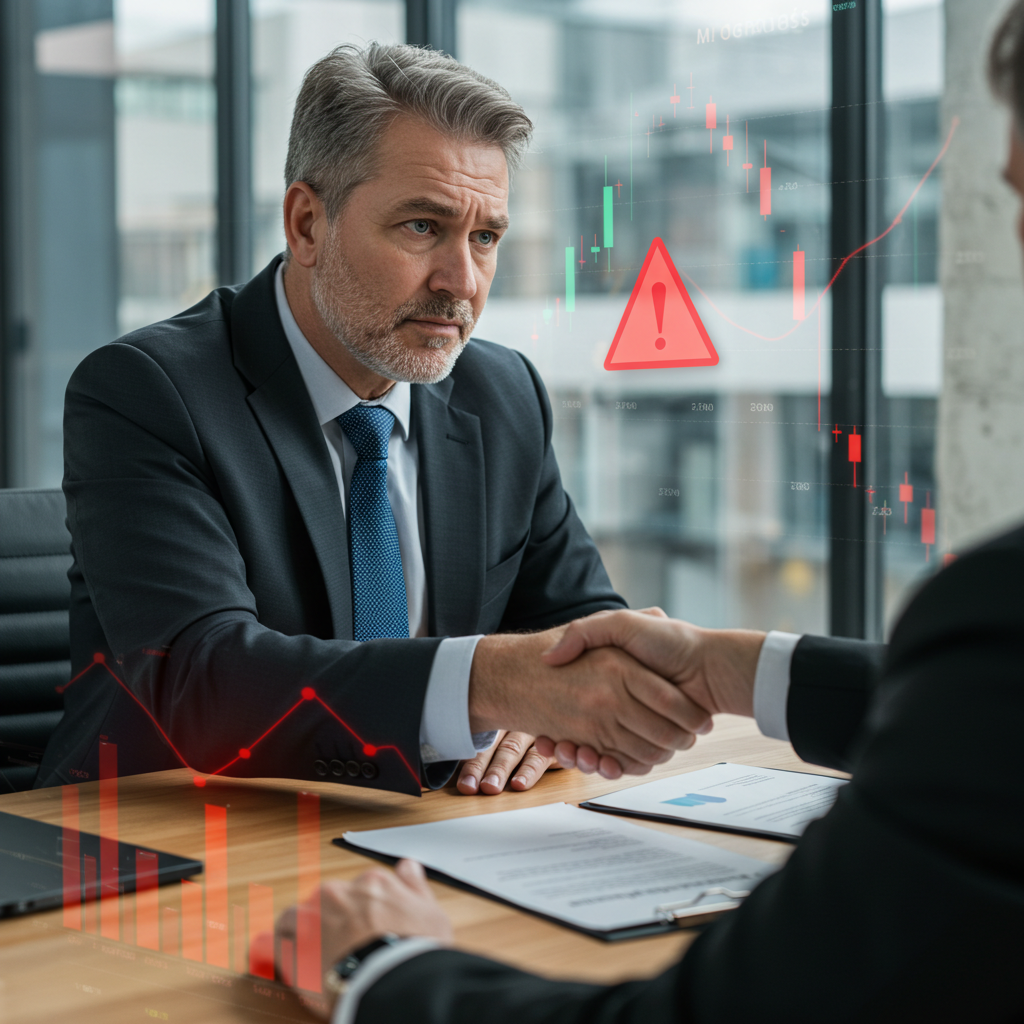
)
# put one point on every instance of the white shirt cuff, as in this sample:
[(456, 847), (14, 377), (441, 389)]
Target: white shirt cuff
[(771, 683), (374, 967), (444, 728)]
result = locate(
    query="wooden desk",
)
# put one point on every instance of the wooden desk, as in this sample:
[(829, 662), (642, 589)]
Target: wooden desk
[(49, 973)]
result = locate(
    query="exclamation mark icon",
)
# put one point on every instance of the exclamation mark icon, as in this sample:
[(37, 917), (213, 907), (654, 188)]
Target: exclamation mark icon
[(658, 294)]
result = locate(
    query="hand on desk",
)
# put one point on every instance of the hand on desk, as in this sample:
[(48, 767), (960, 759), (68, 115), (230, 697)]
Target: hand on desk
[(352, 914), (600, 697), (513, 753), (713, 669)]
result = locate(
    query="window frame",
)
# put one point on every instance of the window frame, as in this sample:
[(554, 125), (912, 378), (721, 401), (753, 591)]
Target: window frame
[(856, 141)]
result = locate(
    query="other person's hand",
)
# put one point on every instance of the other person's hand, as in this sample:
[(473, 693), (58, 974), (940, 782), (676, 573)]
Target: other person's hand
[(714, 668), (603, 698), (512, 753), (377, 903)]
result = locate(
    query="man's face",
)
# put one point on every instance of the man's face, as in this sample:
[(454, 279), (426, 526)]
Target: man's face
[(403, 273), (1014, 174)]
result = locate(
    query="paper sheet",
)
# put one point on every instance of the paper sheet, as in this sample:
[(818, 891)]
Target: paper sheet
[(733, 796), (593, 871)]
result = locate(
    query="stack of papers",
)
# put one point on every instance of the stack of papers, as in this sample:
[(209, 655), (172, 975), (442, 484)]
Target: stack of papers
[(607, 877)]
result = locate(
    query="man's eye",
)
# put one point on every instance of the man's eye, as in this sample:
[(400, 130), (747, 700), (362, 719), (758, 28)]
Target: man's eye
[(421, 227), (485, 237)]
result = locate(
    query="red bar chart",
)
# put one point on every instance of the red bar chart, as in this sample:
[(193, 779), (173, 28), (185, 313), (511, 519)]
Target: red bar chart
[(191, 920), (71, 861), (216, 875), (261, 923), (170, 931), (307, 929), (197, 921), (147, 907), (109, 890)]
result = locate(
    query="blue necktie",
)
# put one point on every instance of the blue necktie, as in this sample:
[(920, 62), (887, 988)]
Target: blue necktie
[(379, 607)]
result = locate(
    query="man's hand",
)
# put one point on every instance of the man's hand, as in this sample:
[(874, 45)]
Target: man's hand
[(512, 753), (377, 903), (605, 699), (714, 668)]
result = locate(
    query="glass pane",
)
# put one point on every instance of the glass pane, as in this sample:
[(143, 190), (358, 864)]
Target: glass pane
[(287, 37), (114, 183), (911, 300), (705, 125), (166, 156)]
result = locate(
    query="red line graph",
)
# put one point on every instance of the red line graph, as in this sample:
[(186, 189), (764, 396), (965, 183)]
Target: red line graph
[(846, 259), (308, 694)]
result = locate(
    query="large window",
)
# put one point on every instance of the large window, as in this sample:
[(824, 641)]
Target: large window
[(707, 125), (706, 487)]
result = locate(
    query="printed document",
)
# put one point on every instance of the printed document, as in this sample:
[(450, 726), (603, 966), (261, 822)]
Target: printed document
[(595, 872), (734, 797)]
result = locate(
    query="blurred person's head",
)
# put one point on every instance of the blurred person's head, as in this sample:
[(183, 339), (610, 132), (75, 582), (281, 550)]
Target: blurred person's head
[(1006, 73), (397, 194)]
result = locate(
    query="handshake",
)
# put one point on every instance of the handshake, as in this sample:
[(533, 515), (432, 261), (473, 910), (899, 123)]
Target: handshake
[(617, 692)]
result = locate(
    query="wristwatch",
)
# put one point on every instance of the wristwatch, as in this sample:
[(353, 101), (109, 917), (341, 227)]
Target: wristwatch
[(336, 980)]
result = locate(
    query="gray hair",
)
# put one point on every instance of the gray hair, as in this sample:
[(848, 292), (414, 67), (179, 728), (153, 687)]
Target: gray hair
[(349, 99)]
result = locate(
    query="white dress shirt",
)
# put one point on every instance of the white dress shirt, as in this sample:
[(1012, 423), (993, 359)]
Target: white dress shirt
[(771, 692), (444, 728), (771, 683)]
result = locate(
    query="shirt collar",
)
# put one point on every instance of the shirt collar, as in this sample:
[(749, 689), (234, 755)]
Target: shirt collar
[(330, 395)]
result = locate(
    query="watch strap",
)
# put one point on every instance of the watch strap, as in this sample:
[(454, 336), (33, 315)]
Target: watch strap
[(336, 979)]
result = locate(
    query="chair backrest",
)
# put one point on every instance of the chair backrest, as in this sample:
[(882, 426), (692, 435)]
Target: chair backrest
[(35, 555)]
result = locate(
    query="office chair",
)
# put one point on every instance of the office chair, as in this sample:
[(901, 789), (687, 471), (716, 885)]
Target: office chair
[(34, 643)]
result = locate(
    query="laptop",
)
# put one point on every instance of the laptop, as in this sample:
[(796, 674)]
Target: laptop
[(35, 854)]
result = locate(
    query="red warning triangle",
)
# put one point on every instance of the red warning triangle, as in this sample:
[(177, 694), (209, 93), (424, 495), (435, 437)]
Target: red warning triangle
[(660, 327)]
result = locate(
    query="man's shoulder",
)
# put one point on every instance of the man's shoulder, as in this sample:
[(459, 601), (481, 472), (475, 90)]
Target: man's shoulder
[(978, 594), (192, 345), (193, 328)]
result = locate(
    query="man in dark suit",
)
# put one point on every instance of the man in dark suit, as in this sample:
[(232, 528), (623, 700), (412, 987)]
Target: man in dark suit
[(295, 518), (904, 903)]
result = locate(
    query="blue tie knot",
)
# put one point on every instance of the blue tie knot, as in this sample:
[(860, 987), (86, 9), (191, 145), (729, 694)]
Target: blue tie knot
[(368, 427)]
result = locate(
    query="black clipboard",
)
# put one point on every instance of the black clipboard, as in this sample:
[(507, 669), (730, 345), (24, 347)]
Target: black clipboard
[(676, 819), (664, 927)]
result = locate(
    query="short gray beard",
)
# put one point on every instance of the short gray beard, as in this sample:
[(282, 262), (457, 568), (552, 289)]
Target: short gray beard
[(353, 315)]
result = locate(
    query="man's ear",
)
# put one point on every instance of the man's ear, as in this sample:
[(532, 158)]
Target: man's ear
[(304, 222)]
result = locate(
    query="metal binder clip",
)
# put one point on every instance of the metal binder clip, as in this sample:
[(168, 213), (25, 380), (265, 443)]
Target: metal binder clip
[(671, 911)]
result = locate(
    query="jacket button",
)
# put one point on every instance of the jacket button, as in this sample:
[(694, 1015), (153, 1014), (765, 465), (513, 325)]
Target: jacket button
[(320, 767), (369, 770), (337, 768), (352, 767)]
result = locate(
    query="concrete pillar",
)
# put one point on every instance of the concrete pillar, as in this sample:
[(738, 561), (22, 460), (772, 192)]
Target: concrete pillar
[(980, 450)]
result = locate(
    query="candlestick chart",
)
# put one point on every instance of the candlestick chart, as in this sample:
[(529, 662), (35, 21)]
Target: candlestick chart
[(594, 268)]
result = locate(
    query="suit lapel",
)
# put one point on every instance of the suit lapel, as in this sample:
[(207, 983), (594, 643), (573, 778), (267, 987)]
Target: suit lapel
[(282, 406), (451, 474)]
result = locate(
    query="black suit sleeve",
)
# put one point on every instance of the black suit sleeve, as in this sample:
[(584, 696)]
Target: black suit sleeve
[(904, 903), (446, 987), (169, 585), (830, 685)]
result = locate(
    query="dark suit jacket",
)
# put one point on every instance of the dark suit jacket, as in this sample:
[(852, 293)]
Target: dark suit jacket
[(905, 903), (211, 567)]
